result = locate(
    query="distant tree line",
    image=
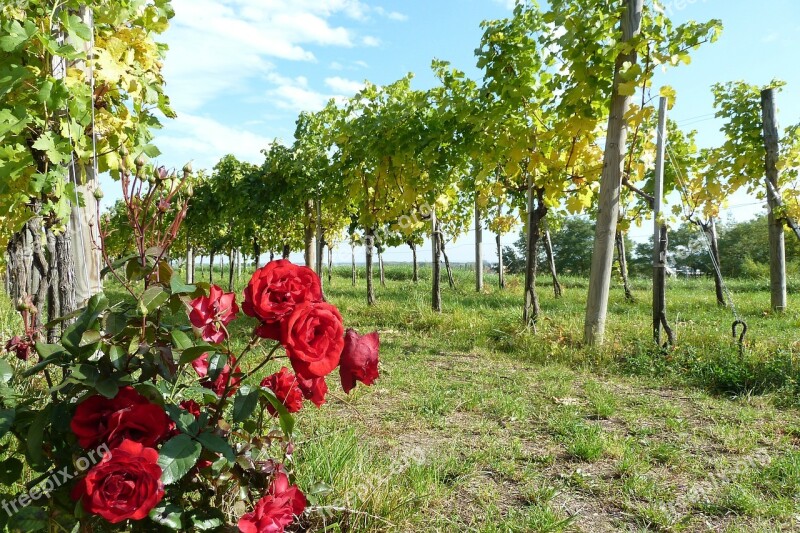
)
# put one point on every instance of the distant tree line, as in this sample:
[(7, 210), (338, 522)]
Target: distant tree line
[(744, 250)]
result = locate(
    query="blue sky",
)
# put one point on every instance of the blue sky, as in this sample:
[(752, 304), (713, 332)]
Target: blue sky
[(239, 71)]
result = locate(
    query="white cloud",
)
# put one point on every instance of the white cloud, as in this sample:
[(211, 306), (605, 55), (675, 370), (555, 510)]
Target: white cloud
[(369, 40), (336, 66), (344, 86), (205, 140), (217, 46), (362, 64), (508, 4), (391, 15)]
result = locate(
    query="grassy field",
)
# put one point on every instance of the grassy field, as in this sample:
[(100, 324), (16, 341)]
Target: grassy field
[(478, 425)]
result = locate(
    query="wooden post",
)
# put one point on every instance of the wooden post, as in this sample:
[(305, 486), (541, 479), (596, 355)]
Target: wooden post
[(330, 263), (189, 262), (369, 241), (320, 251), (610, 183), (231, 267), (659, 229), (622, 260), (436, 291), (308, 235), (531, 310), (478, 248), (777, 251), (501, 278), (551, 260)]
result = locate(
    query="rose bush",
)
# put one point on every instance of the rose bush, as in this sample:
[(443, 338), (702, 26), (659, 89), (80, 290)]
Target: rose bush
[(196, 425)]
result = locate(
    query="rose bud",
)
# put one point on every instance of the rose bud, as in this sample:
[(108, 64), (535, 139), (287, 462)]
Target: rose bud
[(140, 161)]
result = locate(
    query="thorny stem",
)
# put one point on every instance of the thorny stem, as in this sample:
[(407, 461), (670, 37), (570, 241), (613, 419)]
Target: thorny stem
[(224, 396)]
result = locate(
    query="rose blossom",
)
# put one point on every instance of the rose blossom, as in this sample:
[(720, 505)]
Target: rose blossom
[(20, 347), (192, 406), (276, 509), (275, 290), (130, 415), (284, 384), (210, 314), (313, 336), (200, 366), (125, 485), (314, 389), (359, 361)]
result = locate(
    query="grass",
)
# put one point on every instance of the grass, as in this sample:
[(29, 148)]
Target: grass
[(477, 425)]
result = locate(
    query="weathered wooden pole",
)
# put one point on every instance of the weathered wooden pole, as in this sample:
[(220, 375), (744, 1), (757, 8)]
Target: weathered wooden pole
[(436, 291), (777, 250), (501, 276), (478, 249), (659, 230), (369, 243), (320, 240), (610, 183), (189, 262), (308, 235)]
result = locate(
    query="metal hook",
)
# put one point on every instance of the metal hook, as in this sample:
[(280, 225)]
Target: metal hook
[(740, 340)]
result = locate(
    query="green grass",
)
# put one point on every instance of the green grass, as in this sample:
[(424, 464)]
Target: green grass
[(478, 425)]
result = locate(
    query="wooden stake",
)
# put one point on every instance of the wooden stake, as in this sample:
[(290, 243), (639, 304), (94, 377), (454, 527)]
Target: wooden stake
[(436, 291), (611, 180), (659, 229), (478, 249), (777, 251)]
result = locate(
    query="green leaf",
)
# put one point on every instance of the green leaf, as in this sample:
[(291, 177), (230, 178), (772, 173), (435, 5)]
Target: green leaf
[(6, 371), (16, 34), (285, 417), (245, 403), (207, 519), (56, 150), (117, 264), (178, 455), (177, 286), (168, 515), (29, 519), (117, 355), (71, 336), (7, 417), (180, 340), (10, 471), (35, 439), (152, 298), (215, 443), (115, 323), (190, 354), (108, 387), (183, 419), (89, 337)]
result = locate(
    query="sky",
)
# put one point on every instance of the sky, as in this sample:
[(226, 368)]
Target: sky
[(238, 72)]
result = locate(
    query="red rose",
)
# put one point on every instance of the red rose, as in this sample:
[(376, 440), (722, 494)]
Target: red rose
[(217, 385), (146, 424), (284, 385), (125, 485), (275, 290), (359, 360), (192, 406), (314, 389), (98, 419), (20, 347), (313, 336), (210, 314), (270, 515), (276, 509)]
